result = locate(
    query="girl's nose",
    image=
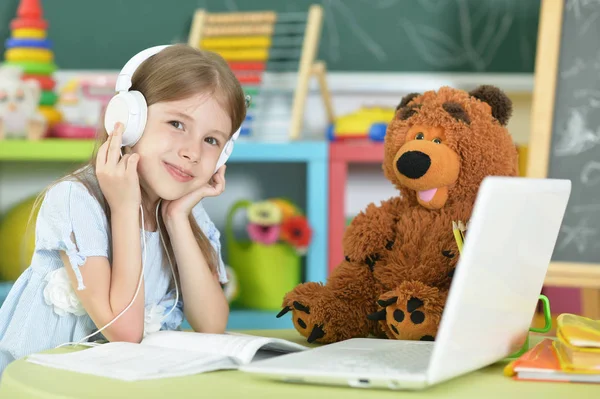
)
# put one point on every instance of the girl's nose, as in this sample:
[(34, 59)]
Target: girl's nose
[(190, 153)]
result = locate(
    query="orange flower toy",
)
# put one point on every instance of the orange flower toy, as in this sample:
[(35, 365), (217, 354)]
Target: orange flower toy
[(297, 232)]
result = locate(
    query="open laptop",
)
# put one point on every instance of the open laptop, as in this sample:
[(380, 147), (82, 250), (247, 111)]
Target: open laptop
[(509, 244)]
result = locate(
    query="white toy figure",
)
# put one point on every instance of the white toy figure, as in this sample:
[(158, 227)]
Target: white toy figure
[(19, 115)]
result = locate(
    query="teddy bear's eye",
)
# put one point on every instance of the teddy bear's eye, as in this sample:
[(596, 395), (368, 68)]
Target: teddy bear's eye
[(419, 136), (437, 140)]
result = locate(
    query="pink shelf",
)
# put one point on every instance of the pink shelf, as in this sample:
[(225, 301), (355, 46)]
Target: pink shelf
[(356, 152), (341, 154)]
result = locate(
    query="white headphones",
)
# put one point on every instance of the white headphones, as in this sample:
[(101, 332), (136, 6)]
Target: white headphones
[(130, 107)]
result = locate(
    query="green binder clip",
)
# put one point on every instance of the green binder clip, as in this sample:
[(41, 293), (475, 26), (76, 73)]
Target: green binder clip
[(545, 329)]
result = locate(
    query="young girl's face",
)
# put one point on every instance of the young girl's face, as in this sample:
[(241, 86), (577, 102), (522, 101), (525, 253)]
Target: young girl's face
[(181, 145)]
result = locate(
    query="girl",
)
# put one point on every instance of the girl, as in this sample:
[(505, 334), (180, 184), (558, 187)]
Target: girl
[(88, 261)]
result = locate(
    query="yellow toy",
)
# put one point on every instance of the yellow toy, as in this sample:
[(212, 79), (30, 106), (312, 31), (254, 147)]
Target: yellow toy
[(16, 242), (366, 122)]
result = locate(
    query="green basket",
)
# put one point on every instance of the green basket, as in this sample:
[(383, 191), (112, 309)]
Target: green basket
[(265, 273)]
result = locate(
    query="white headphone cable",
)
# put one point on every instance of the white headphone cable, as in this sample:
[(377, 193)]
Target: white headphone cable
[(170, 262)]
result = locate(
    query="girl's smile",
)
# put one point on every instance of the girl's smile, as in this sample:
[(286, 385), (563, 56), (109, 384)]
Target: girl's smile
[(178, 173)]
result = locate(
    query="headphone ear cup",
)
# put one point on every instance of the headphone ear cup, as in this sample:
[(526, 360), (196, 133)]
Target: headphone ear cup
[(141, 118), (227, 150), (130, 109)]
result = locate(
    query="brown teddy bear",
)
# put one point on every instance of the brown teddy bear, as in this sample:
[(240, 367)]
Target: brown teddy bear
[(400, 256)]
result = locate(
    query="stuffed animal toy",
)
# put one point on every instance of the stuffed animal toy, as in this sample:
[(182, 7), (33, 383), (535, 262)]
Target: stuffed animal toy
[(400, 256), (19, 99)]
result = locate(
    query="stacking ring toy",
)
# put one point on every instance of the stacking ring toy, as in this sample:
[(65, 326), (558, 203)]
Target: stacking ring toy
[(21, 23), (26, 42), (28, 33), (34, 68), (28, 54)]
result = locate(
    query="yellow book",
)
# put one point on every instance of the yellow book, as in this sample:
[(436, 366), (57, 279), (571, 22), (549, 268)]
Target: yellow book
[(575, 360), (578, 331)]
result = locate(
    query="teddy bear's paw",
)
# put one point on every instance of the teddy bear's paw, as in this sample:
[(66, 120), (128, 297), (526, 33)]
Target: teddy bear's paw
[(305, 304), (322, 316), (404, 315), (372, 258), (304, 321), (365, 244)]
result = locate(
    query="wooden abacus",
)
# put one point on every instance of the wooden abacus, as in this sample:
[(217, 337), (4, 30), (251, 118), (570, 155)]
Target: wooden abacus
[(266, 41)]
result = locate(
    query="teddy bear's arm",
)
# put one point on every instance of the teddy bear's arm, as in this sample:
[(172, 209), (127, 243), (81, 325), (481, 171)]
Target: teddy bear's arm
[(373, 232)]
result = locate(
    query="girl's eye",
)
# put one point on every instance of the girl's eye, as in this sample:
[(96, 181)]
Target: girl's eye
[(212, 141), (437, 140), (176, 124), (419, 136)]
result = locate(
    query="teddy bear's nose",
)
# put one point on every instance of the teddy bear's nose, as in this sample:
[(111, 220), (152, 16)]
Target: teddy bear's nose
[(413, 164)]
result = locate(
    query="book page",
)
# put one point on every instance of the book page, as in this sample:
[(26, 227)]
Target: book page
[(242, 347), (132, 362)]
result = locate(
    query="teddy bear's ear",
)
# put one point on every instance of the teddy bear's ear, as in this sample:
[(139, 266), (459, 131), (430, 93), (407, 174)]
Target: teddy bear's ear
[(406, 99), (406, 111), (500, 103)]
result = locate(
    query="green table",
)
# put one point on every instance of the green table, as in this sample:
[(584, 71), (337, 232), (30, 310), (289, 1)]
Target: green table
[(26, 380)]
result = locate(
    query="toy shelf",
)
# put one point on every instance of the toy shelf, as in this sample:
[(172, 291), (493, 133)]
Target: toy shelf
[(341, 154), (313, 153)]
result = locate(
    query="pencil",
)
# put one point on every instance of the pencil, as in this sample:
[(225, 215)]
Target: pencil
[(457, 236), (463, 230)]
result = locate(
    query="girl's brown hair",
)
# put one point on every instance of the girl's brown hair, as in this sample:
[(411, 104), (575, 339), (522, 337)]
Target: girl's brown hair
[(177, 72)]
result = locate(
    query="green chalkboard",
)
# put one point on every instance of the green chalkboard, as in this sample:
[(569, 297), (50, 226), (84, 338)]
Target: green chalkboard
[(358, 35)]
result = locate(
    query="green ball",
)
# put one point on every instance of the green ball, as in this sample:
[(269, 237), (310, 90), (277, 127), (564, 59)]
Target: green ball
[(17, 248)]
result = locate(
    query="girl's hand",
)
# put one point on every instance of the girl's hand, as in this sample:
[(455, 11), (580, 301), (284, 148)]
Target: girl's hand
[(117, 176), (181, 208)]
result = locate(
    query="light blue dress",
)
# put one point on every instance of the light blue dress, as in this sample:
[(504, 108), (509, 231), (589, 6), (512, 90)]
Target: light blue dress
[(42, 310)]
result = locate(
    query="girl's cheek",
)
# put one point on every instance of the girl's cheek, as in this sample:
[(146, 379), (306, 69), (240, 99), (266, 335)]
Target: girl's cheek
[(142, 168)]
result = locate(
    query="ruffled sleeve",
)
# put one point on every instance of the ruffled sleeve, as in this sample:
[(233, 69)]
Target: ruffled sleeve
[(213, 235), (72, 220)]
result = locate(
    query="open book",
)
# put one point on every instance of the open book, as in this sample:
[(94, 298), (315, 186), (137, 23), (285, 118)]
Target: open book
[(168, 354)]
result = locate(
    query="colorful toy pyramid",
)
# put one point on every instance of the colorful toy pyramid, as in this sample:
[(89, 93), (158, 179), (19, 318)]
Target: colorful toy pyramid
[(29, 48)]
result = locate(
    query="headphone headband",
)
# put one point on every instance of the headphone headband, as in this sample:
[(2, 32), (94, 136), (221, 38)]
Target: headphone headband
[(124, 79)]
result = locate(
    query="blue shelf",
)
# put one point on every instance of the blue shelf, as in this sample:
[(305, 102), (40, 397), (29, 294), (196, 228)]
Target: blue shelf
[(240, 319), (293, 151), (5, 287)]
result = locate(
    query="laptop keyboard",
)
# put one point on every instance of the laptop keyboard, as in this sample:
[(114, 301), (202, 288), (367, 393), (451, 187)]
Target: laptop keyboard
[(410, 359)]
